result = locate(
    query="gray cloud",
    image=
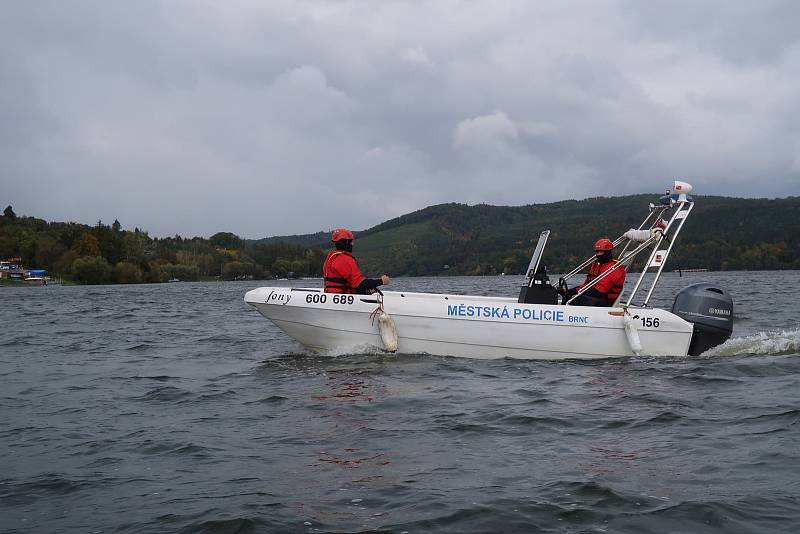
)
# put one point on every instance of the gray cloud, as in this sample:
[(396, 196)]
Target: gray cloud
[(267, 118)]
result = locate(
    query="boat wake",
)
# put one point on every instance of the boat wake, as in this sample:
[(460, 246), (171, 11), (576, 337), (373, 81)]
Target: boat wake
[(353, 349), (785, 342)]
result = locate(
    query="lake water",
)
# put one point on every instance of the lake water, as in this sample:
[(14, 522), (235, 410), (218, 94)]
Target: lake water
[(178, 408)]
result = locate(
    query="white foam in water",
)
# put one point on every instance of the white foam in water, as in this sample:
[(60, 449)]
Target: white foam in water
[(783, 342), (346, 350)]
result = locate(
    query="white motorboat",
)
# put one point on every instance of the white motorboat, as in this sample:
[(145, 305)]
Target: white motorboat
[(532, 326)]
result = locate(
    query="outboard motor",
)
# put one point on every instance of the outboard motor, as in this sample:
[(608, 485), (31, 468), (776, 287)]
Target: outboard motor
[(710, 309)]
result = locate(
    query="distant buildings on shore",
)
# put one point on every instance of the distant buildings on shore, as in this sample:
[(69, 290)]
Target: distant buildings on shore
[(13, 270)]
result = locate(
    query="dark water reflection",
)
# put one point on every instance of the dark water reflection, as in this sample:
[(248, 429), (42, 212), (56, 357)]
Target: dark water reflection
[(177, 408)]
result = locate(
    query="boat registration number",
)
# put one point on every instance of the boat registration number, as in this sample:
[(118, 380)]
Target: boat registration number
[(321, 298), (648, 322)]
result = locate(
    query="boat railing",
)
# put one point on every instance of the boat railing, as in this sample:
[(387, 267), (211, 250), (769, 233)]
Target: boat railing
[(660, 231), (681, 215), (654, 210), (620, 264)]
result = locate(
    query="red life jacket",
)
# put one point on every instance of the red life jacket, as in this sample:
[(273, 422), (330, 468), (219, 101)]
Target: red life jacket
[(597, 268), (335, 284)]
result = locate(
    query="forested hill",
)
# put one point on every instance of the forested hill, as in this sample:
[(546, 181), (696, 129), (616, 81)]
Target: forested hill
[(721, 234)]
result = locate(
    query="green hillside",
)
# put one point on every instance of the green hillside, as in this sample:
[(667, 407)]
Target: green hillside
[(721, 234), (449, 239)]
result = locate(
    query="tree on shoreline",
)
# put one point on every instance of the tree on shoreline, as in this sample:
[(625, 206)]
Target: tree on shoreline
[(108, 254)]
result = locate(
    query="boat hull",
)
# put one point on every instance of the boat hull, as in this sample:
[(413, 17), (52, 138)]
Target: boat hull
[(468, 326)]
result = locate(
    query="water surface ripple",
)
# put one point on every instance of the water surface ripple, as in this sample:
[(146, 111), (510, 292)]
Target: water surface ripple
[(177, 408)]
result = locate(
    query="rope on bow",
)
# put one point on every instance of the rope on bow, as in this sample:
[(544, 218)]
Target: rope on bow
[(379, 310)]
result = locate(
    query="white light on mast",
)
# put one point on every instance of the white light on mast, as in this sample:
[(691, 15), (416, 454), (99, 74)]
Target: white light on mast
[(682, 189)]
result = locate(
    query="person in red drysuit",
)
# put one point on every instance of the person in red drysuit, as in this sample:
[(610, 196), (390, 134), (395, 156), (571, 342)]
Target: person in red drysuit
[(607, 290), (340, 271)]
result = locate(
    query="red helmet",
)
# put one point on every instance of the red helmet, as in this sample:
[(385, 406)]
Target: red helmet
[(341, 234), (604, 244)]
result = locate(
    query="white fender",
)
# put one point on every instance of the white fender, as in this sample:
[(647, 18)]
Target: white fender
[(388, 332), (632, 334), (640, 236)]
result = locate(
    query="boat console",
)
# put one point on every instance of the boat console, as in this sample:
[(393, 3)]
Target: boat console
[(537, 288)]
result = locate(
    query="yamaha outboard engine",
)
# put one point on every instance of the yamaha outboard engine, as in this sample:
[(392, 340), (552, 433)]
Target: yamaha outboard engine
[(710, 309)]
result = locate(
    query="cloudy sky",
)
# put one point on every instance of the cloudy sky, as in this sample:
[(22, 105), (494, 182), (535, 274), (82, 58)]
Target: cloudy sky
[(276, 117)]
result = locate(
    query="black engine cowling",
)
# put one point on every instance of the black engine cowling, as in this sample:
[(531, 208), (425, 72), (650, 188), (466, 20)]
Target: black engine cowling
[(710, 309)]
